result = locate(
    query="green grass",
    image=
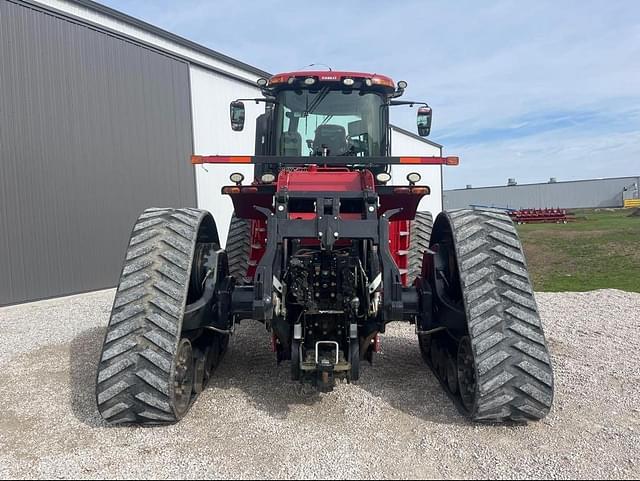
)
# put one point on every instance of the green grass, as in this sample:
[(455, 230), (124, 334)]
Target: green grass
[(600, 250)]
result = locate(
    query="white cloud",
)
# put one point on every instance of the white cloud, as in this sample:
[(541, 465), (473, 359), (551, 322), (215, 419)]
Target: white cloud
[(482, 66), (562, 154)]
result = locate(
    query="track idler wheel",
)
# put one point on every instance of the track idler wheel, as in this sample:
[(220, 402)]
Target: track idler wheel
[(182, 374)]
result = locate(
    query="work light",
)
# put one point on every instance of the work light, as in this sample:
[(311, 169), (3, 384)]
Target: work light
[(236, 178), (383, 177), (414, 178)]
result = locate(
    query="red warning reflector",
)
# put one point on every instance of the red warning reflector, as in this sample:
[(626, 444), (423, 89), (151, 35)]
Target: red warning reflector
[(430, 160), (220, 159), (410, 160)]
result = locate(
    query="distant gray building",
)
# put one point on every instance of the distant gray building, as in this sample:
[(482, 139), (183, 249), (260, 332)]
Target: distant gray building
[(571, 195)]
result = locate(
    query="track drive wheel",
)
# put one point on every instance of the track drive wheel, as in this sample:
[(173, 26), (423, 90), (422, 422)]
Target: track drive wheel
[(147, 373), (493, 355)]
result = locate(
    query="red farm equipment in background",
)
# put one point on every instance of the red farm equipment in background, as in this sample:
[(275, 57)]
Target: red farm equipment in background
[(532, 216)]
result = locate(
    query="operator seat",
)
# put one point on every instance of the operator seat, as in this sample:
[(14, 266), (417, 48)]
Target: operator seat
[(334, 137), (291, 144)]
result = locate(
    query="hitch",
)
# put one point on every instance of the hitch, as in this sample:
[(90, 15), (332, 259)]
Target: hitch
[(325, 367)]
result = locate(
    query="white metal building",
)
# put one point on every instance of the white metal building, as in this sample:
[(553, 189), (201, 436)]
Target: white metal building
[(125, 86), (407, 143)]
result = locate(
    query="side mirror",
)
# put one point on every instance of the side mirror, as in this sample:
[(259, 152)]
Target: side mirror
[(424, 121), (237, 116)]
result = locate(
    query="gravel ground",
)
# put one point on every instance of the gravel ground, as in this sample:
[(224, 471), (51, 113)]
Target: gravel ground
[(254, 422)]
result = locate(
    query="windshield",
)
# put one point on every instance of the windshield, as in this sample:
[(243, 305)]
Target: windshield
[(329, 122)]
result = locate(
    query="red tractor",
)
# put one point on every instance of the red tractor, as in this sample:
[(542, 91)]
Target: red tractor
[(325, 252)]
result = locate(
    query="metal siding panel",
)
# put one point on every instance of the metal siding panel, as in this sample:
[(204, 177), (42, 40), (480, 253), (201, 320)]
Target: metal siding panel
[(93, 129), (573, 194)]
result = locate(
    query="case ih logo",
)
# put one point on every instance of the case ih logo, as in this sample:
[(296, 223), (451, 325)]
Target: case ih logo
[(329, 77)]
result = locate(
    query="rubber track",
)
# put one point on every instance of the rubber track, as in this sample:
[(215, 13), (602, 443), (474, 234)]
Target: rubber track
[(134, 379), (513, 368), (239, 248), (420, 235)]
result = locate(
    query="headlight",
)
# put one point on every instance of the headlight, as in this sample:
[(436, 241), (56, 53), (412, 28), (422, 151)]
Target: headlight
[(268, 178), (236, 178), (383, 177), (414, 177)]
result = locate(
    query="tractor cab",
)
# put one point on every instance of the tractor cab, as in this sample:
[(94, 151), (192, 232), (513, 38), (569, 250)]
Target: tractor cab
[(327, 113)]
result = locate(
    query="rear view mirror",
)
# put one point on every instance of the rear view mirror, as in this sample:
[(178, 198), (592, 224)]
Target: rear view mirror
[(237, 116), (424, 121)]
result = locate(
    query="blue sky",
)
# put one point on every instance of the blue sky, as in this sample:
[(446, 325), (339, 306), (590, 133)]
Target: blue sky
[(529, 90)]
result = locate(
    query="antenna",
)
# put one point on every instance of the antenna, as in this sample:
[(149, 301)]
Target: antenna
[(314, 64)]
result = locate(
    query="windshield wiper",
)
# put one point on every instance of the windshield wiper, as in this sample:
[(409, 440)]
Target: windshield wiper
[(321, 96)]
